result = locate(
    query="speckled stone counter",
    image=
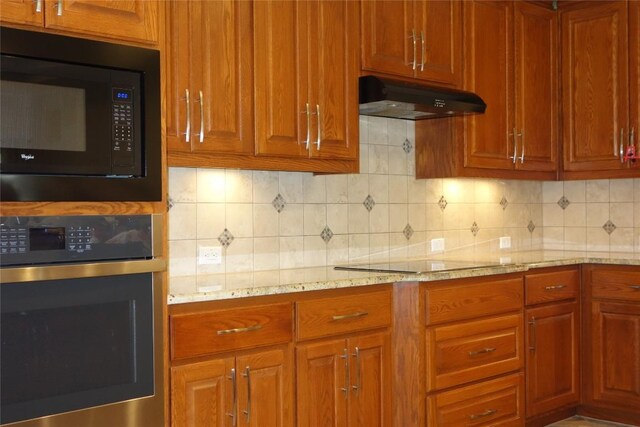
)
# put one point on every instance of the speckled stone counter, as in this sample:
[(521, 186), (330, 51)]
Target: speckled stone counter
[(258, 283)]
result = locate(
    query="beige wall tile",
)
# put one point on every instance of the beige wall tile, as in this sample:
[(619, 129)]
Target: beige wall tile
[(458, 190), (266, 220), (575, 238), (621, 240), (398, 217), (398, 189), (315, 188), (182, 221), (364, 158), (516, 215), (182, 258), (575, 215), (240, 219), (337, 189), (621, 214), (552, 191), (358, 248), (397, 131), (417, 190), (291, 252), (315, 251), (265, 186), (379, 159), (379, 219), (552, 215), (621, 190), (338, 250), (358, 188), (238, 186), (315, 219), (379, 247), (398, 247), (417, 216), (183, 285), (292, 220), (211, 185), (211, 220), (417, 247), (266, 253), (183, 185), (239, 256), (358, 218), (291, 186), (435, 218), (377, 131), (575, 191), (379, 188), (597, 190), (553, 238), (434, 190), (488, 191), (338, 218), (597, 239), (597, 214), (398, 160)]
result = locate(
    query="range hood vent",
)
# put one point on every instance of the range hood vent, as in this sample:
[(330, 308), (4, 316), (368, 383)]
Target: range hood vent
[(402, 100)]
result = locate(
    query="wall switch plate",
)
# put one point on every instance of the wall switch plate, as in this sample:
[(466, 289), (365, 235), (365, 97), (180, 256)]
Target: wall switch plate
[(437, 245), (209, 255), (505, 242)]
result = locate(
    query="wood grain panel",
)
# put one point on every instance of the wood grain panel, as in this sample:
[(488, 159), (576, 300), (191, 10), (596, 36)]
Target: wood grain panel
[(618, 284), (551, 286), (21, 12)]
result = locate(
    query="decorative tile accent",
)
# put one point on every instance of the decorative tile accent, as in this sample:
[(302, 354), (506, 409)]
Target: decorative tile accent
[(326, 234), (442, 202), (369, 203), (563, 202), (279, 203), (408, 231), (406, 146), (504, 203), (225, 238), (474, 229), (609, 227), (531, 226), (170, 203)]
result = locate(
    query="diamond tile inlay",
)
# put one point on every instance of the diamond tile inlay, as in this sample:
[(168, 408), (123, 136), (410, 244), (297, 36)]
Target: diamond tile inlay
[(225, 238), (408, 231), (369, 203), (474, 229), (563, 202), (326, 234), (442, 202), (170, 203), (504, 203), (609, 227), (406, 146), (279, 203), (531, 226)]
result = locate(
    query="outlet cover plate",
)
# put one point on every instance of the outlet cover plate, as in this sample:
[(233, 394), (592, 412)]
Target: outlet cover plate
[(505, 242), (437, 245), (211, 255)]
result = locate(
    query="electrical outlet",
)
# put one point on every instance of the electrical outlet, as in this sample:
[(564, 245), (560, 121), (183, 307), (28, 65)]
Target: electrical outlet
[(209, 255), (437, 245), (505, 242)]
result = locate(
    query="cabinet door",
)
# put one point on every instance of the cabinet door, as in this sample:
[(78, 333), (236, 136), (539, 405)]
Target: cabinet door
[(282, 123), (22, 12), (388, 37), (634, 74), (438, 28), (135, 20), (201, 394), (488, 140), (615, 355), (333, 76), (322, 384), (552, 368), (536, 89), (265, 389), (370, 372), (595, 89)]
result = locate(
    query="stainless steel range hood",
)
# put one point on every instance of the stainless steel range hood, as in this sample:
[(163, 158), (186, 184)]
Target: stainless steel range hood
[(402, 100)]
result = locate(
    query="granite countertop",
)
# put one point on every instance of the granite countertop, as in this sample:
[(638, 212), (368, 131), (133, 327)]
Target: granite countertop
[(258, 283)]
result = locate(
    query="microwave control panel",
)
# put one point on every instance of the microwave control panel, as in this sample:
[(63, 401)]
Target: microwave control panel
[(123, 132)]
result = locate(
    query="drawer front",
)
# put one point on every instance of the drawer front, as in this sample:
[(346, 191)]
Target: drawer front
[(619, 284), (498, 402), (338, 315), (467, 301), (471, 351), (552, 286), (219, 331)]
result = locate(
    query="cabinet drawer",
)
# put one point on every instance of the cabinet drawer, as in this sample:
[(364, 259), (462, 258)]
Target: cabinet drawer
[(619, 284), (446, 303), (337, 315), (218, 331), (470, 351), (498, 402), (552, 286)]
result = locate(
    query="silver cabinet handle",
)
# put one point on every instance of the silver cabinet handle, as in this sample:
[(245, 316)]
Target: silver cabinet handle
[(532, 341), (319, 127), (413, 40), (187, 132), (621, 145), (345, 389), (234, 408), (239, 330), (521, 135), (356, 387), (201, 101), (247, 412), (632, 146), (485, 350), (38, 5), (58, 5), (350, 315), (422, 49), (635, 287), (554, 287), (486, 413), (515, 146), (307, 111)]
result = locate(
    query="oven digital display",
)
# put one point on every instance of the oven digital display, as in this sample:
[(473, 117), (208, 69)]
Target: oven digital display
[(122, 95), (47, 238)]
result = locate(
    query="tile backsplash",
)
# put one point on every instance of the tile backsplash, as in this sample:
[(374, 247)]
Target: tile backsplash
[(279, 220)]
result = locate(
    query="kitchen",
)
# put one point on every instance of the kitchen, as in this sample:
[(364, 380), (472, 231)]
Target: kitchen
[(276, 230)]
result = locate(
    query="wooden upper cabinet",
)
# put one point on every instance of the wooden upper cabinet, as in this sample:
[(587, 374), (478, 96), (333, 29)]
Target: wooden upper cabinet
[(416, 38), (634, 75), (597, 99), (209, 72), (306, 70), (133, 20)]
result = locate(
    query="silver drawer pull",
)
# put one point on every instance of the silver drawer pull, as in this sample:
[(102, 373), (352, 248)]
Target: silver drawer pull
[(483, 351), (636, 287), (350, 315), (238, 330), (554, 287), (486, 413)]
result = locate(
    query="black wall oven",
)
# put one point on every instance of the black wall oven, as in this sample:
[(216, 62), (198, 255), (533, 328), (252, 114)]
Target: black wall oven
[(81, 328), (79, 119)]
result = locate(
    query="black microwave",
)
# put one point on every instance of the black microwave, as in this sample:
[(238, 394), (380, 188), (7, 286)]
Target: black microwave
[(79, 119)]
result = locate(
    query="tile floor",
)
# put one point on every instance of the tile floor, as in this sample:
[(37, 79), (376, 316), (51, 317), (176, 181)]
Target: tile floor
[(579, 421)]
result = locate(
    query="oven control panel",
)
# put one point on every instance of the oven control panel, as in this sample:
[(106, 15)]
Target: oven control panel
[(59, 239)]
